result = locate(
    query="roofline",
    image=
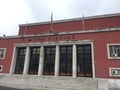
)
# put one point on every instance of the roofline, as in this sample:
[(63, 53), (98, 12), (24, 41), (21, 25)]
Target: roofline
[(73, 19), (63, 33)]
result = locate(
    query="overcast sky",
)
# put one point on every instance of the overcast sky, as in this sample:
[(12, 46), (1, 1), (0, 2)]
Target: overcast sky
[(15, 12)]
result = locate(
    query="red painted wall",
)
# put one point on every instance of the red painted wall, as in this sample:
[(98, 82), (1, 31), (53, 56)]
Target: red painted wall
[(101, 39), (102, 63), (90, 24)]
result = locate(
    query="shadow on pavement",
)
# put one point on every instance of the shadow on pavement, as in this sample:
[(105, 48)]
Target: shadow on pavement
[(9, 88)]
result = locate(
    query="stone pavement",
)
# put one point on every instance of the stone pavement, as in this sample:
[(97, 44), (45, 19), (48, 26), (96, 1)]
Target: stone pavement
[(9, 88), (25, 87), (19, 87)]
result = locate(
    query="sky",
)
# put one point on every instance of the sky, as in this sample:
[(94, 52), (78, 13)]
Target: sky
[(16, 12)]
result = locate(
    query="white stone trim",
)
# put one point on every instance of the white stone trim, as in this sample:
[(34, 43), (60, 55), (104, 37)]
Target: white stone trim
[(93, 59), (110, 73), (13, 62), (54, 43), (1, 68), (41, 61), (74, 61), (57, 61), (4, 53), (26, 62), (64, 33), (108, 52)]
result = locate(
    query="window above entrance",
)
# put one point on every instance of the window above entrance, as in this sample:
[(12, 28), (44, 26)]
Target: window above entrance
[(113, 51)]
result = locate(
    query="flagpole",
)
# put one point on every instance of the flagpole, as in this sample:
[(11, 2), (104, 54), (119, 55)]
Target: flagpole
[(51, 29), (25, 28), (83, 23)]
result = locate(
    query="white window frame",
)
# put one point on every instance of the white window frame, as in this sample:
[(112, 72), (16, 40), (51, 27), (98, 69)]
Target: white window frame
[(1, 68), (108, 51), (3, 53), (116, 70)]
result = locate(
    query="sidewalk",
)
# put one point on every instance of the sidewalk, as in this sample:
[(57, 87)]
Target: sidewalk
[(25, 87), (21, 87)]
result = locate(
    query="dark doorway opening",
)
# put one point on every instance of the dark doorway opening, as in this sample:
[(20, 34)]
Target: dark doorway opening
[(84, 61)]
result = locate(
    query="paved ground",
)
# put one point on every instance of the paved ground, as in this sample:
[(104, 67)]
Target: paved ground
[(9, 88)]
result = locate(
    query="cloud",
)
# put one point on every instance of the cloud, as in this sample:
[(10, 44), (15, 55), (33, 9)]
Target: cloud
[(109, 6), (14, 12)]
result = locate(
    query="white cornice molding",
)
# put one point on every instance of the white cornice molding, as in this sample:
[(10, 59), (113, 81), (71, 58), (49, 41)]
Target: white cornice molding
[(63, 33), (54, 43)]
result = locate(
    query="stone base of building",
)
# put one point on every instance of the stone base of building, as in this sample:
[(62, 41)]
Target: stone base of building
[(58, 83)]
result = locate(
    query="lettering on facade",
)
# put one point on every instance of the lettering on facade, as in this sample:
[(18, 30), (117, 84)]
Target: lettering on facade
[(52, 38), (58, 38)]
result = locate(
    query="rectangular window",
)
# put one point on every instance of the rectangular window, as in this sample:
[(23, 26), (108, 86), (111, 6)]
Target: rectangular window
[(113, 51), (114, 72), (20, 60), (1, 68), (65, 61), (2, 53), (84, 61), (34, 60), (49, 61)]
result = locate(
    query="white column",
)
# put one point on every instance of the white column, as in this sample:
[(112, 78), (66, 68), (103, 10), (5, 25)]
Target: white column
[(41, 61), (74, 61), (57, 57), (93, 62), (13, 63), (27, 59)]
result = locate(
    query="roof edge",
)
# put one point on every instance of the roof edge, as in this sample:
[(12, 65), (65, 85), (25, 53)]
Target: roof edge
[(73, 19)]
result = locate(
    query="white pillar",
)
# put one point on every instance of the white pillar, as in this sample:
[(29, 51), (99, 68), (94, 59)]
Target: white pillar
[(27, 59), (13, 63), (74, 61), (41, 61), (57, 57), (93, 62)]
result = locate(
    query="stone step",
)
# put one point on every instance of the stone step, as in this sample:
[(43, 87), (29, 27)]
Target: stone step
[(51, 82), (65, 83), (34, 82)]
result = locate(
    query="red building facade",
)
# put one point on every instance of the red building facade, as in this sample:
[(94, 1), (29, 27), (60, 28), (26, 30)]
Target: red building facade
[(67, 49)]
